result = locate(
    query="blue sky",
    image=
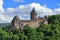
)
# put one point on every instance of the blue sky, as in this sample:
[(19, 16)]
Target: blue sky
[(11, 8), (49, 3)]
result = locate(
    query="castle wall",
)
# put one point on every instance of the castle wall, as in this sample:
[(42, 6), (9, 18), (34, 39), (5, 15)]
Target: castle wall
[(34, 22), (29, 23)]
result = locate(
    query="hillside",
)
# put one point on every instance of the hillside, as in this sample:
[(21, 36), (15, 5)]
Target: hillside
[(43, 32), (4, 24)]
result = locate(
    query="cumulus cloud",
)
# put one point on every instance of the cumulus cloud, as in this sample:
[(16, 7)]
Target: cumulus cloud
[(1, 6), (57, 10), (4, 18), (23, 11)]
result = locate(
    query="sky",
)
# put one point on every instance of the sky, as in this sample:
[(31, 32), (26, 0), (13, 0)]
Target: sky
[(22, 8)]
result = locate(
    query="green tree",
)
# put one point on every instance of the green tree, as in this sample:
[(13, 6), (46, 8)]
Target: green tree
[(31, 33)]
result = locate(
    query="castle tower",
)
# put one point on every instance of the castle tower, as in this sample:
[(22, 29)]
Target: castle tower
[(15, 22), (33, 14)]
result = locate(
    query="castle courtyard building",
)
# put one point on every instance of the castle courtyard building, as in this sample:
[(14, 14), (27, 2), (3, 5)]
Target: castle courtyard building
[(33, 22)]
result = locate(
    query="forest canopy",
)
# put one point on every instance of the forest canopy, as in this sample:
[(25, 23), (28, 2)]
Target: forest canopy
[(43, 32)]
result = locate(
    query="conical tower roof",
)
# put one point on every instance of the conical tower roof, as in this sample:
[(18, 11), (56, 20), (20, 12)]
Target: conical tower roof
[(15, 18), (33, 11)]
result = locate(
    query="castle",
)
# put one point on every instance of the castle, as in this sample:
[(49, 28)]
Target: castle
[(33, 22)]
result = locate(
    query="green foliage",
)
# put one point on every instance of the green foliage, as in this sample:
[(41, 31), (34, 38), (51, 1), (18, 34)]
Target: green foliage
[(43, 32), (40, 36), (7, 36), (54, 18), (31, 33), (22, 37)]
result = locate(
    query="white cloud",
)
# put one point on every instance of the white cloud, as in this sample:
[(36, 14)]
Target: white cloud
[(57, 10), (41, 10), (1, 6), (10, 10), (23, 11), (19, 0), (4, 18)]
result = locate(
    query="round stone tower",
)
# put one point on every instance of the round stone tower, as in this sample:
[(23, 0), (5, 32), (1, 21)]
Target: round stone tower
[(33, 14)]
